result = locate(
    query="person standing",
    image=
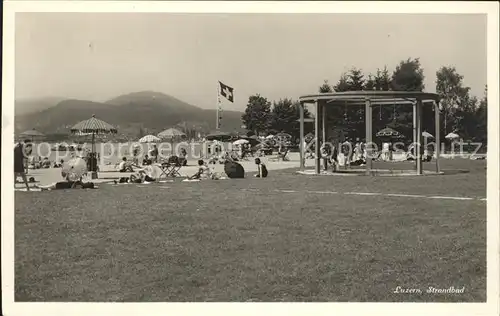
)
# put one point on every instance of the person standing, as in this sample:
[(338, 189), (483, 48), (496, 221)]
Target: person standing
[(154, 154), (21, 153), (135, 154)]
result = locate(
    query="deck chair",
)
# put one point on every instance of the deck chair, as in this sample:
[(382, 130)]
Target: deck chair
[(281, 156), (171, 167)]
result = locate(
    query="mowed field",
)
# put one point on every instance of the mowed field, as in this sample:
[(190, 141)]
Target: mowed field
[(288, 237)]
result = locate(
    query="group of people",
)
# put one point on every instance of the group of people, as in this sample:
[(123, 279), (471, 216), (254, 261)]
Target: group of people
[(343, 154), (232, 169)]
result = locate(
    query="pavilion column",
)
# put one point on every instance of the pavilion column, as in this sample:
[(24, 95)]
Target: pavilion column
[(437, 147), (323, 131), (414, 141), (301, 145), (317, 157), (420, 147), (369, 133)]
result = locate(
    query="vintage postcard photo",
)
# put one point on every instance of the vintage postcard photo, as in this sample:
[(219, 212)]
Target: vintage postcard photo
[(250, 152)]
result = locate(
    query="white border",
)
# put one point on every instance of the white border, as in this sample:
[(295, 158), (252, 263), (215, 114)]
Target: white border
[(11, 308)]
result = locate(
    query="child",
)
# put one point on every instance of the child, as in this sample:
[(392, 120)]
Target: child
[(262, 169)]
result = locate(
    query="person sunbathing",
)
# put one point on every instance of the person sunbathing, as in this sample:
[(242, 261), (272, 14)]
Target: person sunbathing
[(202, 173), (139, 177), (59, 165), (67, 184)]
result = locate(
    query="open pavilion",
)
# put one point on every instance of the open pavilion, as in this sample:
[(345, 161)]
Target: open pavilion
[(369, 99)]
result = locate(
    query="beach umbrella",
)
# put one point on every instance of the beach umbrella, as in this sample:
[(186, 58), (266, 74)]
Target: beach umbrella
[(150, 139), (32, 133), (283, 135), (427, 135), (270, 136), (93, 126), (308, 137), (282, 139), (241, 142), (452, 136), (82, 134), (389, 132), (219, 136), (74, 169), (153, 171), (171, 134)]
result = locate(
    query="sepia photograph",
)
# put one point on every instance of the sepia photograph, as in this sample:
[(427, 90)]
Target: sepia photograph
[(249, 156)]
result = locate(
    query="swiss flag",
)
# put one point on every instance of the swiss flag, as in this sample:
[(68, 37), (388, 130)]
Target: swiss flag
[(226, 92)]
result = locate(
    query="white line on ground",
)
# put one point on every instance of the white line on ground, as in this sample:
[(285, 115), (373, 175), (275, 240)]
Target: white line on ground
[(406, 195), (384, 194), (449, 198), (322, 192)]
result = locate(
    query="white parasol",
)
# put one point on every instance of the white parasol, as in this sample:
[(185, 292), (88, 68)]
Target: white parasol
[(241, 142), (427, 135), (149, 139), (452, 136), (74, 169)]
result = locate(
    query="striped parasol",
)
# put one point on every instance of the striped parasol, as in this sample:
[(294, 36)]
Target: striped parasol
[(94, 126), (149, 139), (219, 136)]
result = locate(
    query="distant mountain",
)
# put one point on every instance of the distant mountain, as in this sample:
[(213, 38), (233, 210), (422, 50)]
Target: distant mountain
[(130, 113), (33, 105)]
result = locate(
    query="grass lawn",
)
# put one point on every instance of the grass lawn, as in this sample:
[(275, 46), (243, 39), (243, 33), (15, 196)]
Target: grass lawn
[(243, 240)]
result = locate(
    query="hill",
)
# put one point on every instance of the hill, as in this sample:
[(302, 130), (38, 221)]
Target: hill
[(131, 113), (33, 105)]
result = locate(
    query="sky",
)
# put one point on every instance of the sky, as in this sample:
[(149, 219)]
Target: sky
[(98, 56)]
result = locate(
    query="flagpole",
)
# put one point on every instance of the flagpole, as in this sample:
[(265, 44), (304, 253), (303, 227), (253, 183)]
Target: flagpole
[(217, 109)]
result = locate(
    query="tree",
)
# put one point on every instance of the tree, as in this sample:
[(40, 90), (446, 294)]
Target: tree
[(449, 87), (257, 114), (382, 80), (408, 76), (343, 84), (285, 115), (481, 115), (385, 80), (325, 88), (355, 80), (369, 83)]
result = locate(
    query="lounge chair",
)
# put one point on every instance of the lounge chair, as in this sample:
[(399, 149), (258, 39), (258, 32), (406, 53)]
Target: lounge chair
[(281, 156)]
